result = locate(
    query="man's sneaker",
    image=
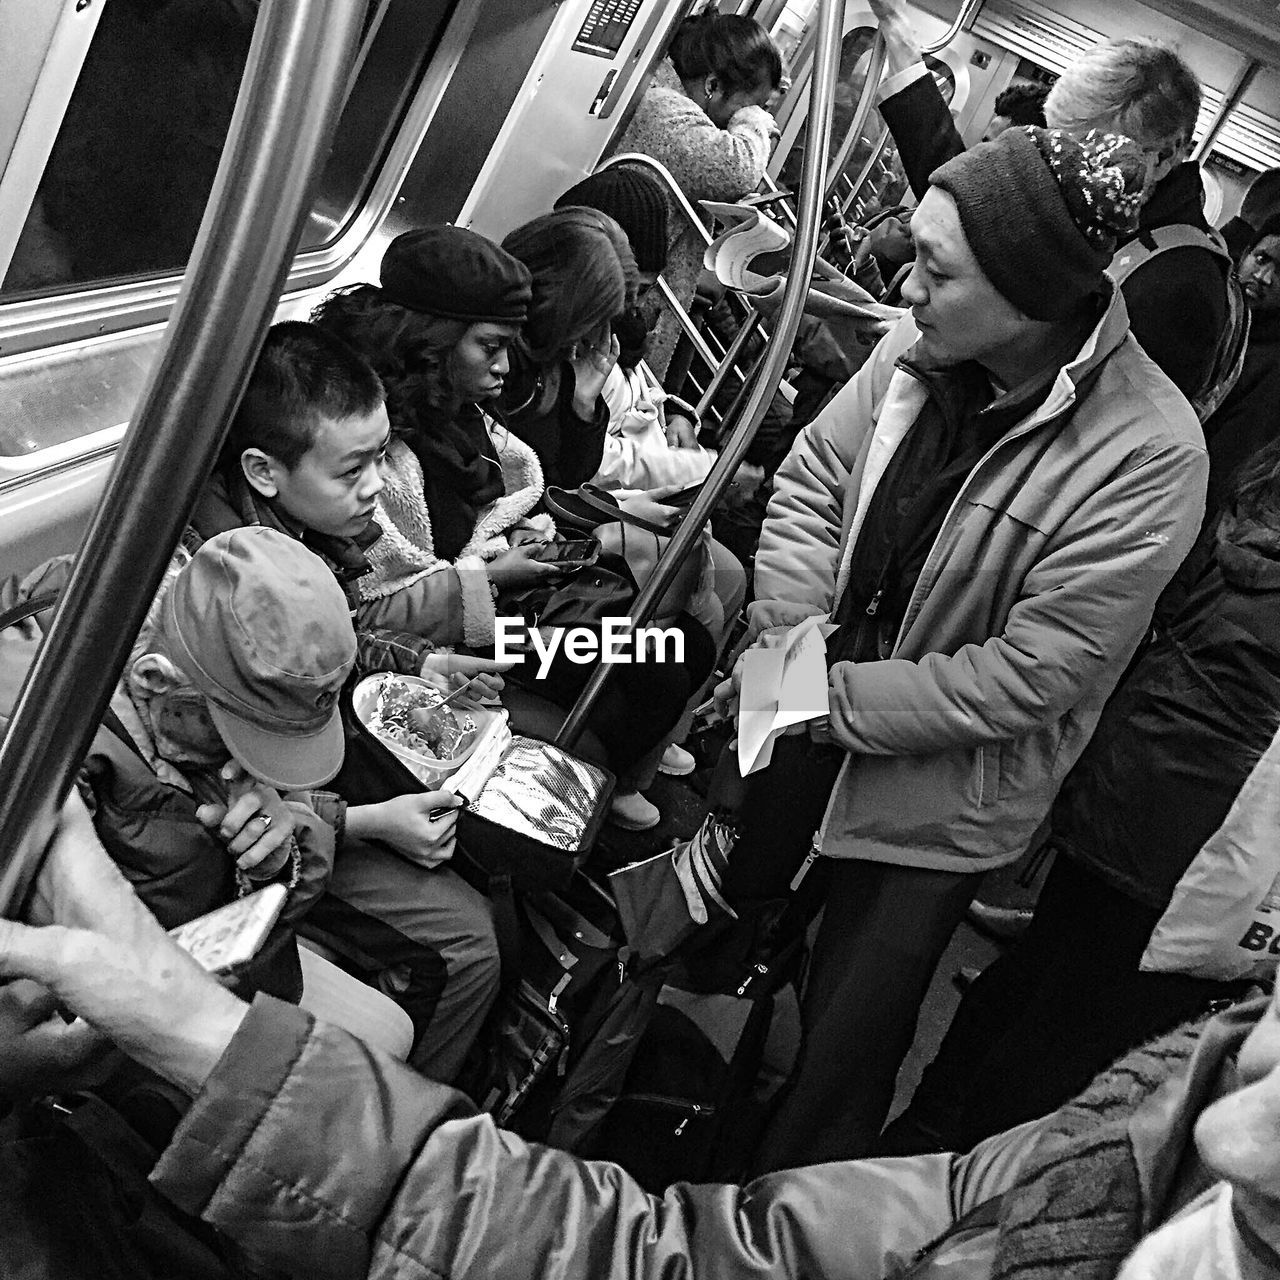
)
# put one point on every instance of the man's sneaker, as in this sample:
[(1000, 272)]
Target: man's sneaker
[(632, 812), (677, 761)]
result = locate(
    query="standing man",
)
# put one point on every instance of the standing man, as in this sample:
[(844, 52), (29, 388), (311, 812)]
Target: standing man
[(987, 511)]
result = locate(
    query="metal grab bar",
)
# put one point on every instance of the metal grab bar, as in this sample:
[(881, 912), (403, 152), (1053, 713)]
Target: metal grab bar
[(293, 86), (866, 101), (964, 18), (769, 371)]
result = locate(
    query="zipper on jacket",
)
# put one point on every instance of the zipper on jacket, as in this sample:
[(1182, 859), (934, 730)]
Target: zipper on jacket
[(873, 605), (815, 852)]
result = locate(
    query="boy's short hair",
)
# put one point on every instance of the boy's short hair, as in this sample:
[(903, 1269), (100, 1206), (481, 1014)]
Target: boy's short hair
[(303, 374)]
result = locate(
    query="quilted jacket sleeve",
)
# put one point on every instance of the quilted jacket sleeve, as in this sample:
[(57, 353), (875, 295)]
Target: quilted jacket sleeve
[(326, 1160)]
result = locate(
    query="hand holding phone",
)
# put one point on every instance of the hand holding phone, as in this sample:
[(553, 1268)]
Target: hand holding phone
[(573, 554)]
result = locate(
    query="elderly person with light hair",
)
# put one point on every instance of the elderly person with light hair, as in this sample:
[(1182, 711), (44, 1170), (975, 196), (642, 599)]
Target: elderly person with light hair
[(1177, 299)]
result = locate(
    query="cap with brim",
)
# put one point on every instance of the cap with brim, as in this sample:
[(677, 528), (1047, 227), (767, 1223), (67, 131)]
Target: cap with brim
[(260, 627), (286, 761), (455, 274)]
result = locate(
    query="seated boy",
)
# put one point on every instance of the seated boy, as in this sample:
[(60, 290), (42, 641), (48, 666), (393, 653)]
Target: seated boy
[(304, 456), (208, 704)]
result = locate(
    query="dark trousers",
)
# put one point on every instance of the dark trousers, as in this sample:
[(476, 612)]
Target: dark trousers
[(1061, 1005), (423, 937), (883, 930)]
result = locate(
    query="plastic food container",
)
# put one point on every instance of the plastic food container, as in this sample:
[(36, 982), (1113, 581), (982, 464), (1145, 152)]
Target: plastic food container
[(387, 694)]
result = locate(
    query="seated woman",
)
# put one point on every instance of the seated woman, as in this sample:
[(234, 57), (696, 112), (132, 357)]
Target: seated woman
[(584, 277), (457, 507)]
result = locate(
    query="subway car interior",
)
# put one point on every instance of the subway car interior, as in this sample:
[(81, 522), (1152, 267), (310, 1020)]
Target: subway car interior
[(574, 899)]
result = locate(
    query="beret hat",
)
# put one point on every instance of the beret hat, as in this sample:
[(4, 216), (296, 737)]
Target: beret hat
[(456, 274)]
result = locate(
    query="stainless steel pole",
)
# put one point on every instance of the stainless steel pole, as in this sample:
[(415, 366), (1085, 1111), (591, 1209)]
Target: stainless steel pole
[(293, 86), (772, 366)]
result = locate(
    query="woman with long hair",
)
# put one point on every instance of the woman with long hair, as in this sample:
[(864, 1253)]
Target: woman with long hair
[(583, 277), (459, 529), (704, 119)]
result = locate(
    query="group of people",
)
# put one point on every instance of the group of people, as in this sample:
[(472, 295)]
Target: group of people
[(1042, 522)]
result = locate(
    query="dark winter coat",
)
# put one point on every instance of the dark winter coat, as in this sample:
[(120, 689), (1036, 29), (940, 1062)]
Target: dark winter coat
[(1177, 740)]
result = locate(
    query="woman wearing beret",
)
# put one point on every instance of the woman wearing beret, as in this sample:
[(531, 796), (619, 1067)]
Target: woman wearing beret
[(460, 491)]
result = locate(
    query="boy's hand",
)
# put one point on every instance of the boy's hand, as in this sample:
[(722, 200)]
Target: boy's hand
[(456, 669), (405, 823), (255, 824)]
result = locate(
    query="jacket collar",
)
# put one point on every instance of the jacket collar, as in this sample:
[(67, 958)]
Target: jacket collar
[(1177, 197), (1107, 334)]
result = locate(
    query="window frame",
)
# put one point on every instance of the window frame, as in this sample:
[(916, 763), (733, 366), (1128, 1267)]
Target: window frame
[(33, 324)]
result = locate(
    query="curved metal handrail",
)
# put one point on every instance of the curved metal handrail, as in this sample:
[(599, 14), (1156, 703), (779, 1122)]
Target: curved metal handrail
[(284, 118), (769, 371), (866, 102), (964, 18), (663, 174)]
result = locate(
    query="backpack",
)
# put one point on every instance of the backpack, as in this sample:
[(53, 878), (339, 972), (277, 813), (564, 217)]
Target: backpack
[(1228, 355)]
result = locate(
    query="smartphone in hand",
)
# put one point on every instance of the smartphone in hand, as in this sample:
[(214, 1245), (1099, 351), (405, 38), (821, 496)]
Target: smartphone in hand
[(575, 554)]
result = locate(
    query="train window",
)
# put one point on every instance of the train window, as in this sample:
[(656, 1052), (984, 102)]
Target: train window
[(55, 397), (131, 169)]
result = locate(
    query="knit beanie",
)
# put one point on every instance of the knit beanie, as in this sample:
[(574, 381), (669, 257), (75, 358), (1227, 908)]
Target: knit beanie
[(456, 274), (636, 202), (1042, 212)]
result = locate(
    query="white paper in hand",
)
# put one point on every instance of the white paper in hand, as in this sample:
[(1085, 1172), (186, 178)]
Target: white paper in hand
[(780, 688)]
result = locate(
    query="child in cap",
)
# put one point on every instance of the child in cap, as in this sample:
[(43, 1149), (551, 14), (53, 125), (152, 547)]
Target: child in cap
[(230, 697)]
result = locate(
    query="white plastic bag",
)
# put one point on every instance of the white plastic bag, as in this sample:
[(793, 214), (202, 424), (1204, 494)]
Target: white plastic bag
[(1223, 921)]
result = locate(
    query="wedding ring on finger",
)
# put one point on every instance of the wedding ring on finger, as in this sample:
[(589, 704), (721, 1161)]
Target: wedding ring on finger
[(264, 818)]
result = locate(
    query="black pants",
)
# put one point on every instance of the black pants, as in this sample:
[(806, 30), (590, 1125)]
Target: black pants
[(642, 701), (884, 928), (1064, 1003)]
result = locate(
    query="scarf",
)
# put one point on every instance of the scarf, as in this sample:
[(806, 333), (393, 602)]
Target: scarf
[(459, 477)]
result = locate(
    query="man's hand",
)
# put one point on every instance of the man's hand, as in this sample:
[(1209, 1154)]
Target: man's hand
[(455, 669), (255, 824), (902, 46), (406, 824), (41, 1053), (728, 693), (102, 955)]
